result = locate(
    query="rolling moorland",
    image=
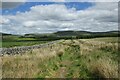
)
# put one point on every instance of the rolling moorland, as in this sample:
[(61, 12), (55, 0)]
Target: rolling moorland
[(78, 54), (10, 40)]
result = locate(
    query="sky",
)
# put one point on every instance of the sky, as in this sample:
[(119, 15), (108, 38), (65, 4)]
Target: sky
[(48, 17)]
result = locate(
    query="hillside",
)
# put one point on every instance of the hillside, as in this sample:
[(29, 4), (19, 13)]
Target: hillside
[(10, 40), (79, 58), (71, 34), (75, 33), (65, 34)]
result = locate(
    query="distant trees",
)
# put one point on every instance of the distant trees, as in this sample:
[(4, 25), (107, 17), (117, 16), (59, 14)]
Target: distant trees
[(61, 35), (48, 38)]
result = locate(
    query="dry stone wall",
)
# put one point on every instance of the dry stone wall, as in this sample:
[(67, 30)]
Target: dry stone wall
[(23, 49)]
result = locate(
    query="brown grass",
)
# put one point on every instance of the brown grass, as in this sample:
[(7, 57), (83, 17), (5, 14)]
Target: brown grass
[(104, 68), (27, 65), (0, 68)]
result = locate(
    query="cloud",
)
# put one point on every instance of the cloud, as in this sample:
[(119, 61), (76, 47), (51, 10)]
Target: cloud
[(4, 21), (57, 0), (13, 0), (56, 17), (29, 23), (92, 0)]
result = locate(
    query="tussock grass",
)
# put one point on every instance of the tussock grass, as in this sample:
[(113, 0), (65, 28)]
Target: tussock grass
[(27, 65), (0, 68), (104, 68), (86, 58)]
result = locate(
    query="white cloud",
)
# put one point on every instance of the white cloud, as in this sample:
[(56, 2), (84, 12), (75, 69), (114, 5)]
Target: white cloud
[(13, 0), (55, 17), (4, 21), (59, 0), (92, 0), (29, 23)]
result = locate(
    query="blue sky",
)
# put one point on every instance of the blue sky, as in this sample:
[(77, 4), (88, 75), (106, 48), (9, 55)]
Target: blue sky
[(26, 6), (48, 17)]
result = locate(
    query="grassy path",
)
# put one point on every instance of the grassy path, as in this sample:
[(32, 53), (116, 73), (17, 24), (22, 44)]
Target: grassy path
[(67, 59)]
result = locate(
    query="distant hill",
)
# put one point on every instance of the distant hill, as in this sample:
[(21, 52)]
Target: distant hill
[(64, 35), (84, 33), (7, 34), (71, 33), (3, 34)]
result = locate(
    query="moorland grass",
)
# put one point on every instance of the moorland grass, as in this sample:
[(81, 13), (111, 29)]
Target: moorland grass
[(68, 59)]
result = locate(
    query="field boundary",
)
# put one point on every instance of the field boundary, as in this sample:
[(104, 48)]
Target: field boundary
[(24, 49)]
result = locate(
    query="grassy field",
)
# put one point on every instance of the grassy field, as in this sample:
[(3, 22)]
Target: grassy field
[(14, 41), (80, 58), (21, 43), (107, 39)]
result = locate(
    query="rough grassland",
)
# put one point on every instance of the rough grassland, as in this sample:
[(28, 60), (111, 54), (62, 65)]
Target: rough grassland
[(9, 44), (83, 58)]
